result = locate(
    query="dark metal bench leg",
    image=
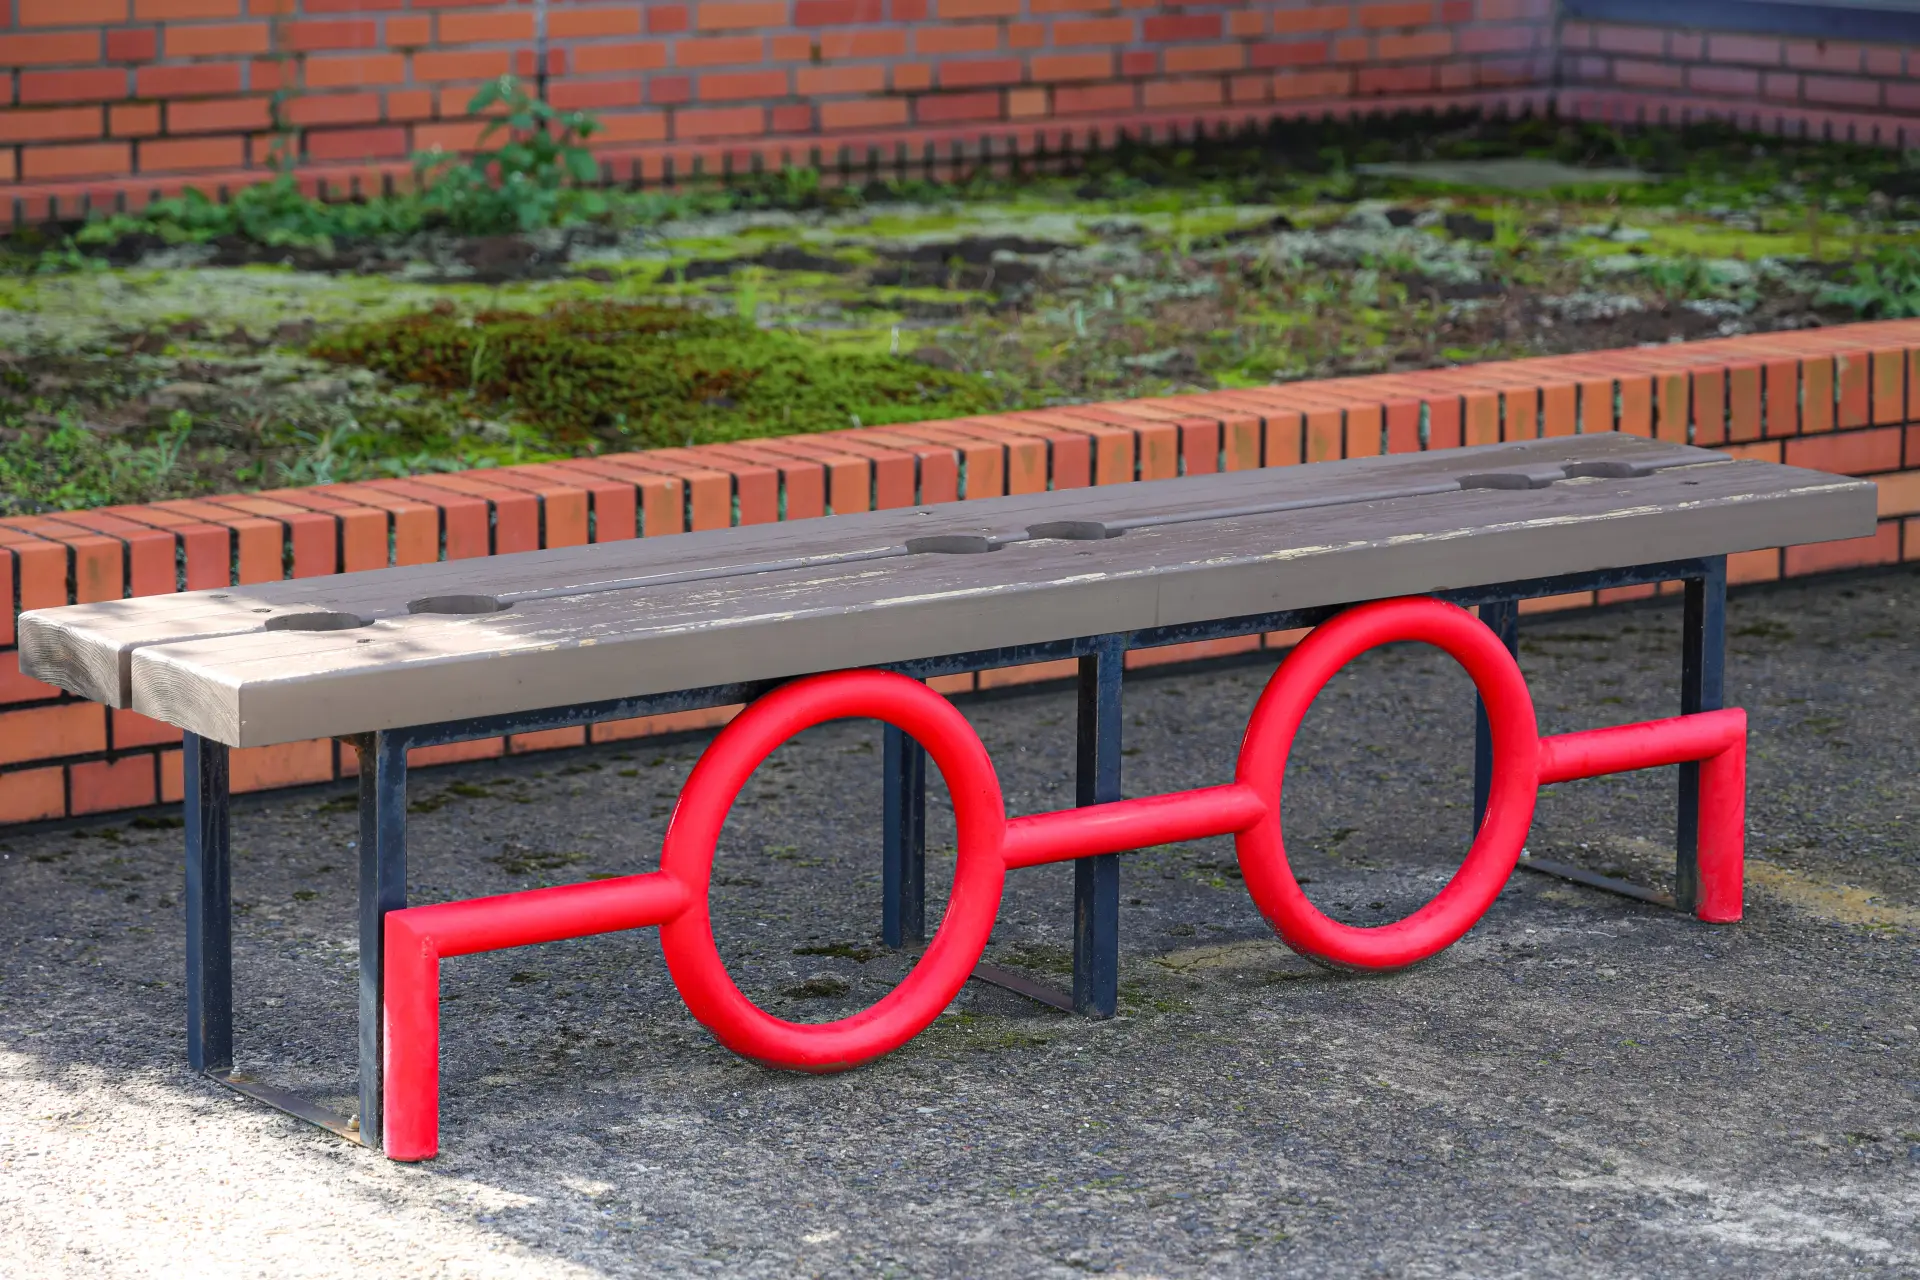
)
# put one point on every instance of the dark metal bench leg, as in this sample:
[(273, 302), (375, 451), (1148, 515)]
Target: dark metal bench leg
[(1503, 617), (903, 875), (383, 888), (1703, 664), (209, 906), (1096, 880)]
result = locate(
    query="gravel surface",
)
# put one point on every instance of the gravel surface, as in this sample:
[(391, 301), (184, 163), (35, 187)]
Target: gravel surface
[(1584, 1085)]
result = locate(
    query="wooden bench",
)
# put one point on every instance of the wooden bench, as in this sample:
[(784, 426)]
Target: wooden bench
[(396, 659)]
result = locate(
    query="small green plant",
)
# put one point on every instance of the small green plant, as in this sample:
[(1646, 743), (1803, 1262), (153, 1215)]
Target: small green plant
[(68, 257), (275, 213), (1679, 279), (323, 455), (746, 294), (162, 458), (68, 466), (791, 187), (1884, 287), (537, 177)]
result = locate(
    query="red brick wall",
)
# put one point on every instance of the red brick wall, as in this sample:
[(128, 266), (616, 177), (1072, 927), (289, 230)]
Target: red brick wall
[(1844, 399), (113, 100), (1775, 84)]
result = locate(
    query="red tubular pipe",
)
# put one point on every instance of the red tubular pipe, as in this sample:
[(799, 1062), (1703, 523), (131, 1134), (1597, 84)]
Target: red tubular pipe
[(1131, 824), (418, 937), (548, 915), (1646, 745), (1496, 846), (1249, 809), (1718, 741), (1721, 853), (410, 1042), (979, 872)]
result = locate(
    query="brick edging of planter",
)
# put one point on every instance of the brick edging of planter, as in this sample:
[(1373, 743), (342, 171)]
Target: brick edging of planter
[(1845, 399)]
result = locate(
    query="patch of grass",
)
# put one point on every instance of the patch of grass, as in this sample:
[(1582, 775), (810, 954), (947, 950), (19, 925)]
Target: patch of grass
[(1146, 270), (275, 213), (529, 181), (840, 950), (1041, 957), (984, 1033), (518, 860), (64, 466), (652, 376), (1884, 287)]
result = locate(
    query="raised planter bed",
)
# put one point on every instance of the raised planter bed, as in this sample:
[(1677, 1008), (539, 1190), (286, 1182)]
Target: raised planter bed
[(1844, 399)]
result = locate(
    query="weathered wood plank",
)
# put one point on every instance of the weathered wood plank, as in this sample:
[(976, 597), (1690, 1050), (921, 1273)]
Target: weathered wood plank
[(268, 686), (88, 649)]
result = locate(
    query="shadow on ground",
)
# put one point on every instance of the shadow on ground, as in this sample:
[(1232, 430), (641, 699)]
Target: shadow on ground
[(1582, 1086)]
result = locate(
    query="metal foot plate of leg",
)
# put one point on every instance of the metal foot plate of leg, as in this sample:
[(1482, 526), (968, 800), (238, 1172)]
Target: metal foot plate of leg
[(293, 1104), (1019, 984), (1594, 880)]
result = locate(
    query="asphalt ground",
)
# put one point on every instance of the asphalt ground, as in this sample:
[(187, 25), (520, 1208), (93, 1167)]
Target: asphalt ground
[(1583, 1086)]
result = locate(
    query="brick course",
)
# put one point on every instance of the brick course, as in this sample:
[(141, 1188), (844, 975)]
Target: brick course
[(1844, 399), (712, 85), (368, 82), (1793, 85)]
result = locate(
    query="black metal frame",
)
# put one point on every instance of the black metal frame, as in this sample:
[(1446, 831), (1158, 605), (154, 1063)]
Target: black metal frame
[(1096, 908)]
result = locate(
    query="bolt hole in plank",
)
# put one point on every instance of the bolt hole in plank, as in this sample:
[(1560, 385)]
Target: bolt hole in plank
[(1073, 530), (952, 544), (324, 620), (457, 605), (1505, 480), (1606, 469)]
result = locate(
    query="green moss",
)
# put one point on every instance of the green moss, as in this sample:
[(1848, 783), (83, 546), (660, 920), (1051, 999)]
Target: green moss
[(651, 376)]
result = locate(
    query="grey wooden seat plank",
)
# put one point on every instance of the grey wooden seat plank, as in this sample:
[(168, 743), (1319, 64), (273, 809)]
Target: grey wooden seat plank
[(87, 649), (263, 687)]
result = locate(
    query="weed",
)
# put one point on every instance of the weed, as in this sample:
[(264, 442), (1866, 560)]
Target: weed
[(538, 177), (535, 179), (1678, 279), (840, 950), (1041, 956), (275, 213), (68, 466), (1884, 287), (518, 860)]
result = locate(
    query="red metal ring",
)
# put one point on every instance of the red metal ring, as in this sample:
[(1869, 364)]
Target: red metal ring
[(979, 873), (1496, 847)]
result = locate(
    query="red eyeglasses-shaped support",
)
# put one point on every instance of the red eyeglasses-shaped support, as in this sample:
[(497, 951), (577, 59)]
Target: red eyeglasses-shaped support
[(675, 897)]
